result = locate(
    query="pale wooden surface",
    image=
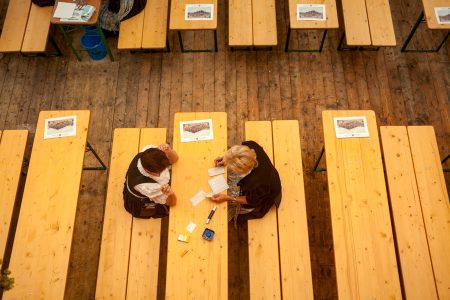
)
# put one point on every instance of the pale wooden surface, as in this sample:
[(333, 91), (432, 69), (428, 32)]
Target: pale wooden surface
[(131, 31), (38, 27), (417, 271), (240, 24), (263, 256), (430, 16), (435, 202), (12, 148), (380, 23), (145, 240), (14, 25), (330, 10), (41, 250), (92, 20), (357, 31), (364, 252), (295, 261), (203, 272), (264, 23), (155, 24), (177, 21)]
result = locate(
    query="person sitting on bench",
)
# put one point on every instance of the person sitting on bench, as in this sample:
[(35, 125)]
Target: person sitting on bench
[(254, 182), (147, 193), (112, 12)]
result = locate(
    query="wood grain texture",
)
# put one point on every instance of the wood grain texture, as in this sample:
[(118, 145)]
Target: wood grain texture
[(12, 148), (365, 259), (295, 261), (380, 23), (240, 24), (264, 23), (435, 202), (203, 272), (357, 32), (41, 250), (177, 16), (155, 24), (14, 25), (415, 261), (263, 254), (331, 15), (131, 31), (145, 240), (38, 26), (430, 16)]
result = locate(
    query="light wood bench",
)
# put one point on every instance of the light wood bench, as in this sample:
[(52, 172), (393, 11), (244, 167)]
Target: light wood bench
[(129, 255), (331, 22), (12, 148), (420, 208), (148, 29), (367, 25), (252, 23)]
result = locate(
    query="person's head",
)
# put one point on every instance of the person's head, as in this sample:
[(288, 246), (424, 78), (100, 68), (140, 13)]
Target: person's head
[(240, 159), (154, 160)]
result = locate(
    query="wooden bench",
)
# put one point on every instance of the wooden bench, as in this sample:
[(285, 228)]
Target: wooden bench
[(278, 242), (12, 148), (27, 29), (129, 255), (148, 29), (331, 22), (420, 209), (367, 25), (252, 23)]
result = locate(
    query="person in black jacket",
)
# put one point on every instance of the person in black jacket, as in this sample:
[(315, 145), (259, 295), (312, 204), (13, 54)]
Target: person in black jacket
[(256, 185), (147, 193)]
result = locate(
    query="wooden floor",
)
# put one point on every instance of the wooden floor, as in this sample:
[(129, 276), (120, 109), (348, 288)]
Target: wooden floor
[(145, 90)]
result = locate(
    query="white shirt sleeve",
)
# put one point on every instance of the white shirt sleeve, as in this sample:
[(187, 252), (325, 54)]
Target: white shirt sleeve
[(152, 191)]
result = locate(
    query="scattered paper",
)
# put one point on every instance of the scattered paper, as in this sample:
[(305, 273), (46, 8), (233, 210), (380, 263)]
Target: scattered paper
[(64, 10), (216, 171), (191, 227), (351, 127), (82, 14), (218, 184), (199, 197), (60, 127), (183, 238)]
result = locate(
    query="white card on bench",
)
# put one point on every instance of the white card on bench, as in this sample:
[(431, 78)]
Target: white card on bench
[(199, 197), (218, 184)]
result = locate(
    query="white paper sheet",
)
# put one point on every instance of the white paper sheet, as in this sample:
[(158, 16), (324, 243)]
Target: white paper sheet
[(216, 171), (218, 184), (191, 227), (199, 197), (64, 10)]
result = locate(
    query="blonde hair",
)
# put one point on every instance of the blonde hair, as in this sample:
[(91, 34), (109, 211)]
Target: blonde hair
[(240, 159)]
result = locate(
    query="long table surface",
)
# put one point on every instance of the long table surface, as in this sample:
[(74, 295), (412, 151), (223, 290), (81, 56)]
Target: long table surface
[(202, 273), (41, 249), (366, 266)]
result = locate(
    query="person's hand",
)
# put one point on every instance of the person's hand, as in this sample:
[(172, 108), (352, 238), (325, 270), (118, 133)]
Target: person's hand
[(164, 147), (218, 162), (167, 190), (219, 198)]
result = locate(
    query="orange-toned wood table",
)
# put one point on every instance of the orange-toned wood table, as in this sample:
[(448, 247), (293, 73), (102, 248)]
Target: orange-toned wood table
[(93, 21), (366, 266), (201, 273), (178, 23), (41, 250)]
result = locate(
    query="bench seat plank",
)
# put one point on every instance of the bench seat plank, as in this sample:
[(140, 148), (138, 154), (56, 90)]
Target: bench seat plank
[(380, 23), (435, 202), (155, 24), (264, 23), (262, 233), (14, 25), (145, 240), (295, 261), (131, 30), (38, 27), (331, 15), (357, 31), (12, 148), (240, 28), (417, 271)]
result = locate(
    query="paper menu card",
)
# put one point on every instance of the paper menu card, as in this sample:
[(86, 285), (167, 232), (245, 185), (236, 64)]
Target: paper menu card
[(218, 184), (216, 171)]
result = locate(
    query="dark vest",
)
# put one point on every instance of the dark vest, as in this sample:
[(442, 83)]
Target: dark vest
[(140, 206)]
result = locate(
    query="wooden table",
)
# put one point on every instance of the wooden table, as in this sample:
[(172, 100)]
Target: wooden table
[(177, 21), (92, 21), (202, 273), (41, 250), (366, 266)]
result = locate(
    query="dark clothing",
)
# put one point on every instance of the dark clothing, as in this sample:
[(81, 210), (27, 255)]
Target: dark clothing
[(135, 203), (262, 187), (138, 6)]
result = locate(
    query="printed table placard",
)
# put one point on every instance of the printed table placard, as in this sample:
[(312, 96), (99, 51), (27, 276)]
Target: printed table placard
[(311, 12), (60, 127), (199, 12), (351, 127), (198, 130)]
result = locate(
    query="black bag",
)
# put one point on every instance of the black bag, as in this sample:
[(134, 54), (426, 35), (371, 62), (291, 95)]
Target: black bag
[(43, 3)]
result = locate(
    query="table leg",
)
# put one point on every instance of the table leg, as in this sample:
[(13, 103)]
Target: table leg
[(180, 39), (105, 42), (286, 49), (90, 149), (443, 162), (316, 166), (69, 42)]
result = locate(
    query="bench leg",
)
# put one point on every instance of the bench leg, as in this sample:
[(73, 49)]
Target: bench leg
[(105, 42), (286, 48), (316, 166), (90, 149), (443, 162), (180, 40), (69, 42), (55, 45)]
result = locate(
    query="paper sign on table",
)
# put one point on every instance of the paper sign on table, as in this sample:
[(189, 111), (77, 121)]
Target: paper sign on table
[(64, 10), (191, 227), (216, 171), (218, 184), (199, 197)]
